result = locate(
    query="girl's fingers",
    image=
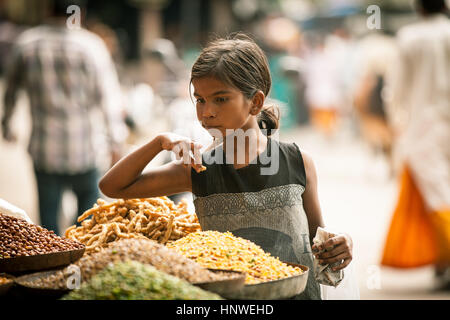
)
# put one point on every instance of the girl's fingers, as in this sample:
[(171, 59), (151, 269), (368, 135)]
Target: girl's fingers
[(195, 145), (195, 157), (333, 242), (186, 150), (196, 152), (195, 166), (334, 250), (315, 248), (186, 155), (167, 146), (181, 150), (189, 152), (337, 258), (177, 151), (333, 253), (343, 264)]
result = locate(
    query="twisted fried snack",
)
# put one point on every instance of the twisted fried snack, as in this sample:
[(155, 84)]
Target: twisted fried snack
[(149, 218)]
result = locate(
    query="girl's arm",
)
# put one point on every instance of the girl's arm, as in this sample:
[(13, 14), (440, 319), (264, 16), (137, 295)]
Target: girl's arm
[(310, 197), (126, 180), (340, 247)]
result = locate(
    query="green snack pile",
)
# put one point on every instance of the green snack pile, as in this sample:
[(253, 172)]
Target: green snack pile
[(132, 280)]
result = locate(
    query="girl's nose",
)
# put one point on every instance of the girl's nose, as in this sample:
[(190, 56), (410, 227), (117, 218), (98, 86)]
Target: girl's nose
[(208, 111)]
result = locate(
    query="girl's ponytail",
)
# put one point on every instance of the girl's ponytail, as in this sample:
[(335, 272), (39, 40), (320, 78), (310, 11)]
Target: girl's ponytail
[(269, 119)]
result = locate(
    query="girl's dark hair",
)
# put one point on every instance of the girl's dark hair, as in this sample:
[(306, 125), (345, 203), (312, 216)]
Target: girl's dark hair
[(239, 62)]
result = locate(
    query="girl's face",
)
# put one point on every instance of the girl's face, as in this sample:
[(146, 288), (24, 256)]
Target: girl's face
[(220, 106)]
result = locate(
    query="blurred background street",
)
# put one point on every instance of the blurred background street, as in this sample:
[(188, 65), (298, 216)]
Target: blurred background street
[(326, 63)]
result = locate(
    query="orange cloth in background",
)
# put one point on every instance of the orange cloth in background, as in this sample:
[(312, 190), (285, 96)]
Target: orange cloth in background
[(411, 240), (441, 223), (324, 119)]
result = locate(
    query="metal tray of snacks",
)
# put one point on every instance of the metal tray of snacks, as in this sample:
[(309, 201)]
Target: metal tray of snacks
[(40, 261), (35, 284), (232, 282), (6, 283), (271, 290)]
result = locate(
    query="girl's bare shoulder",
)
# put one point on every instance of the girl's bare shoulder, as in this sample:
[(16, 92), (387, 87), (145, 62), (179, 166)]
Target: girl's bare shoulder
[(308, 163)]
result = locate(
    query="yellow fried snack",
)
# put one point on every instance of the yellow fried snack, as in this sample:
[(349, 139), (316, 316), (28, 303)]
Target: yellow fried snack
[(149, 218), (217, 250)]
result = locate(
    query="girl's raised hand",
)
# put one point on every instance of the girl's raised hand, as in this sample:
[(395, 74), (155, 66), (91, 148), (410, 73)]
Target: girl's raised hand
[(334, 250), (184, 148)]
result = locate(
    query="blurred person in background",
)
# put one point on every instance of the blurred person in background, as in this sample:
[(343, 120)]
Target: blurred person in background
[(375, 56), (323, 91), (9, 31), (420, 100), (71, 82), (281, 40), (109, 37)]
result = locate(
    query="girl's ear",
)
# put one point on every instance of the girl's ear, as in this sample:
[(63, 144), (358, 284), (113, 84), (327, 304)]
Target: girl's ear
[(257, 102)]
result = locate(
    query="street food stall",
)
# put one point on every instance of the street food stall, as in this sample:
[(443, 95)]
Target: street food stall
[(123, 248)]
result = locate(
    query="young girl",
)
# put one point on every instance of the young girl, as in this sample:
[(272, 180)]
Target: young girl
[(277, 209)]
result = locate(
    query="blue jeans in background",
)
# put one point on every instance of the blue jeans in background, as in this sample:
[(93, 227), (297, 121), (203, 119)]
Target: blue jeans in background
[(50, 190)]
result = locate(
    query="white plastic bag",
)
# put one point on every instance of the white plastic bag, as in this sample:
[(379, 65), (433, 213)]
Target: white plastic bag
[(323, 273), (8, 209)]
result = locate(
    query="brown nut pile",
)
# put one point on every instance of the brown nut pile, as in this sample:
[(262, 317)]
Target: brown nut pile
[(20, 238), (141, 250)]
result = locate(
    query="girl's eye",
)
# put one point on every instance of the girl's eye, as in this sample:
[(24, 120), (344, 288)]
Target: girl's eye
[(199, 100), (221, 99)]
